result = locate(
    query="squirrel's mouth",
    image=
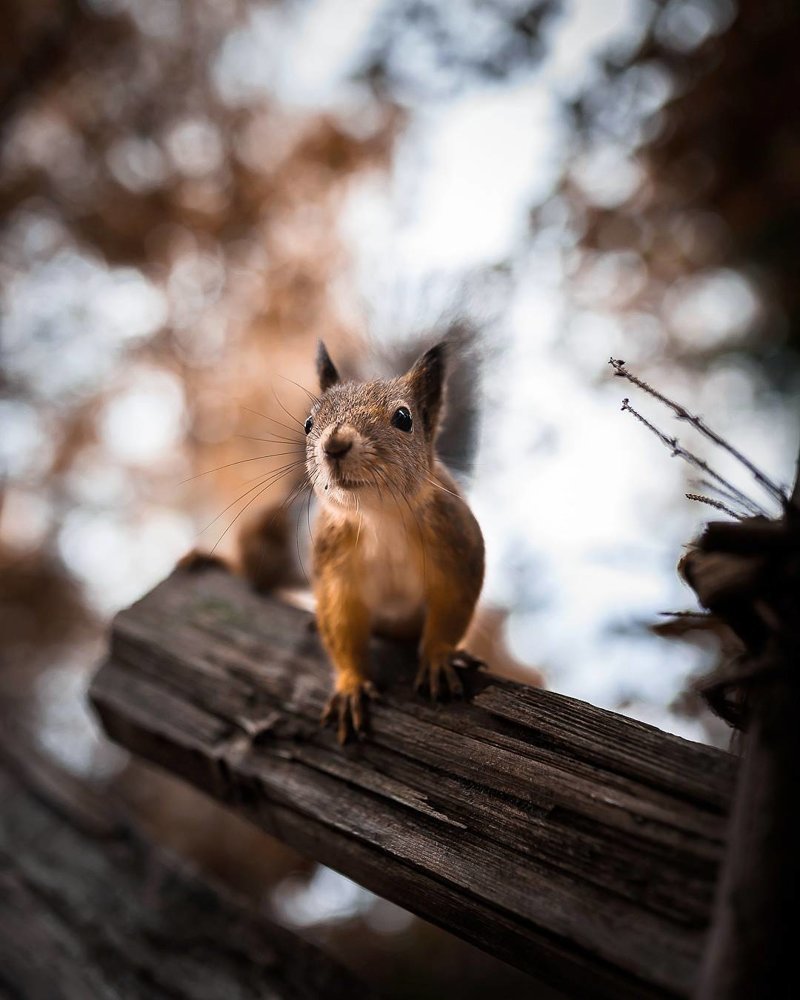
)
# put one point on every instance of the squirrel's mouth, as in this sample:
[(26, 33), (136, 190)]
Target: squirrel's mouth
[(345, 477), (346, 483), (339, 479)]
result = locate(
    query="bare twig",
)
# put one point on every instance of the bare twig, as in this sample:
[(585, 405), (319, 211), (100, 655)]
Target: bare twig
[(754, 508), (702, 615), (794, 500), (697, 422), (716, 504), (678, 451)]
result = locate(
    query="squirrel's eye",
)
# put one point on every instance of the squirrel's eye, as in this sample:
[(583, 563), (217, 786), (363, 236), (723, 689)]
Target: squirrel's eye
[(308, 425), (402, 419)]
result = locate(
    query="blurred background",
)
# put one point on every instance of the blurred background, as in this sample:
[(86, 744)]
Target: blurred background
[(191, 194)]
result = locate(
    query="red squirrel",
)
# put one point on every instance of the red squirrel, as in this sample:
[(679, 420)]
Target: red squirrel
[(396, 549)]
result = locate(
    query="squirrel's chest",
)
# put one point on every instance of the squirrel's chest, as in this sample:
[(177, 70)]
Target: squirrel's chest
[(390, 574)]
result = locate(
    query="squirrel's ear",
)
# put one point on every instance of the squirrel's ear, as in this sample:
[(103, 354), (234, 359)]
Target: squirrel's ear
[(426, 379), (326, 369)]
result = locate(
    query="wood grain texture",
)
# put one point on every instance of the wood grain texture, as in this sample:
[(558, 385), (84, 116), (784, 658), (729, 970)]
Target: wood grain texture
[(576, 844), (89, 910)]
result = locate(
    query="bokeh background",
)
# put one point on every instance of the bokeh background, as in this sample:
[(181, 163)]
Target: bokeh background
[(191, 194)]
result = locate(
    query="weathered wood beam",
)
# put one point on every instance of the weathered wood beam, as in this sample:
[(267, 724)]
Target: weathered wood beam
[(89, 910), (576, 844)]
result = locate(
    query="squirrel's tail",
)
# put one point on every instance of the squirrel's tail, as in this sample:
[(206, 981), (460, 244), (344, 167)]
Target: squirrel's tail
[(267, 556)]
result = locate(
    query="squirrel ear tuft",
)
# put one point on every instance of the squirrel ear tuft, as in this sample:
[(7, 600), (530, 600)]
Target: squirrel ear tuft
[(426, 379), (326, 369)]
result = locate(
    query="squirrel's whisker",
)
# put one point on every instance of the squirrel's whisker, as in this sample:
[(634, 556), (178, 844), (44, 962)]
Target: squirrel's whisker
[(416, 522), (228, 465), (297, 541), (252, 479), (311, 396), (376, 471), (265, 416), (291, 416), (308, 508), (377, 485), (265, 487), (273, 440), (264, 480), (360, 521), (281, 454), (445, 490)]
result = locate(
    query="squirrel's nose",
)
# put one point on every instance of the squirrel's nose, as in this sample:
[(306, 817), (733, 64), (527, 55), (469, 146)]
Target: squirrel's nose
[(337, 447)]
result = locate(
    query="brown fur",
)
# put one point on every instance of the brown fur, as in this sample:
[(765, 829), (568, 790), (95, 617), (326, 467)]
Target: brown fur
[(264, 552), (397, 550)]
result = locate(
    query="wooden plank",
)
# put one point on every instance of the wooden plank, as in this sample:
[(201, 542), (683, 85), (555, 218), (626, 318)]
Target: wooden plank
[(576, 844), (89, 909)]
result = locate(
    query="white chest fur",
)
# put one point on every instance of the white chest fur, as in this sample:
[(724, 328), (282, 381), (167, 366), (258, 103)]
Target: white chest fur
[(391, 576)]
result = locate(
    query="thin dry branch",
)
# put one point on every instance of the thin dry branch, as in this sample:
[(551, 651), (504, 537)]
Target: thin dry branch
[(678, 451), (716, 504), (697, 422), (794, 500), (754, 508), (701, 615)]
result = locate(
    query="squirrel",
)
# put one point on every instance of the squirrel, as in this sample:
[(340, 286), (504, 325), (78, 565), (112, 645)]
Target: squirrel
[(396, 550)]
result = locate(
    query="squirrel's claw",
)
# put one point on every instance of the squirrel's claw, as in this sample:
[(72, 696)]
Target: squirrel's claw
[(347, 709), (466, 661), (440, 675)]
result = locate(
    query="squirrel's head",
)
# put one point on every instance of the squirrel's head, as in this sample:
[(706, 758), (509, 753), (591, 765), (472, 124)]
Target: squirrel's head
[(371, 444)]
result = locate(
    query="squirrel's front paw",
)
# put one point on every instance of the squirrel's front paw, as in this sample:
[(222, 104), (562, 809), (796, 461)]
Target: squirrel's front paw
[(347, 709), (439, 673)]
